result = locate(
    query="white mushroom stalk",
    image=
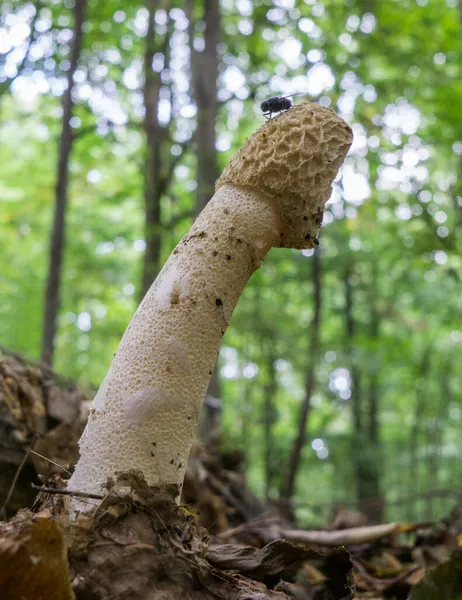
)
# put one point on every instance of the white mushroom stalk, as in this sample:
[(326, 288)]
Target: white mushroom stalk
[(271, 194)]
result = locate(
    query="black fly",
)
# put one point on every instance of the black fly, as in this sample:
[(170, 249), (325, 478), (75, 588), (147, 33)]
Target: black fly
[(277, 104)]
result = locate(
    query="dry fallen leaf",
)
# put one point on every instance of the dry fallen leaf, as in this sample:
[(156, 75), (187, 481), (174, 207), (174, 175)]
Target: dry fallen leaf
[(33, 558)]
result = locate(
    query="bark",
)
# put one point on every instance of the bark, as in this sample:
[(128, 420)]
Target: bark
[(358, 439), (269, 391), (288, 487), (436, 434), (416, 429), (354, 372), (152, 84), (57, 245), (204, 70), (204, 67), (365, 449), (372, 503), (265, 334)]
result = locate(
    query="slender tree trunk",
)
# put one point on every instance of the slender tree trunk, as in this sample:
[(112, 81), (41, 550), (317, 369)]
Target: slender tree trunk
[(354, 372), (358, 437), (373, 505), (152, 83), (288, 486), (246, 405), (204, 71), (52, 300), (423, 375), (269, 409), (204, 66), (435, 435), (365, 449)]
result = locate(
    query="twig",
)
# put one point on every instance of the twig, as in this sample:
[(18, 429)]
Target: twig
[(378, 580), (50, 461), (49, 490), (18, 472)]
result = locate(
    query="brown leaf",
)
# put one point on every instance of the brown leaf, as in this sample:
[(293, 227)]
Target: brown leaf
[(33, 558), (260, 563)]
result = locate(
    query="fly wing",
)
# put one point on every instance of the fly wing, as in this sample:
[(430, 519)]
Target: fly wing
[(292, 95)]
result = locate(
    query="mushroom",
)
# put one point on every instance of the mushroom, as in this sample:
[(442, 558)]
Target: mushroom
[(271, 194)]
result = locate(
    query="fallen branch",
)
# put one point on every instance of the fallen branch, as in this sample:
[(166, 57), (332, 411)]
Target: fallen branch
[(345, 537)]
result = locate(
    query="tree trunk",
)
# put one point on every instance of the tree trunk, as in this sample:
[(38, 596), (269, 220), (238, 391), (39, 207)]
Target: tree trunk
[(269, 392), (416, 429), (372, 504), (61, 196), (204, 71), (350, 352), (435, 435), (365, 438), (204, 66), (152, 187), (358, 440), (288, 487)]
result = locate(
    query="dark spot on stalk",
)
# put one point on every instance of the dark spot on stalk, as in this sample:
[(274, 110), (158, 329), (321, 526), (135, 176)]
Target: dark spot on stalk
[(226, 211), (179, 466), (239, 241), (305, 218), (172, 461), (218, 302), (316, 241), (214, 253), (152, 454), (210, 372), (228, 257), (154, 443), (307, 236)]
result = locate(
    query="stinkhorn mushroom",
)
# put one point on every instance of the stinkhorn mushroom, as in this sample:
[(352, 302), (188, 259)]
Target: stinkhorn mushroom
[(271, 194)]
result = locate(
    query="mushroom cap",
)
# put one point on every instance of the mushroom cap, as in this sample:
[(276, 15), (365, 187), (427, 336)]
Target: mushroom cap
[(293, 159)]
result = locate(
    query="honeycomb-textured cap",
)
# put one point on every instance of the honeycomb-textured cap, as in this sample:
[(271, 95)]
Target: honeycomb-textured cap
[(294, 158)]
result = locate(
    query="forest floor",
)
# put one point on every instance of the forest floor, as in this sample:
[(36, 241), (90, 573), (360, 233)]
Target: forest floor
[(222, 542)]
